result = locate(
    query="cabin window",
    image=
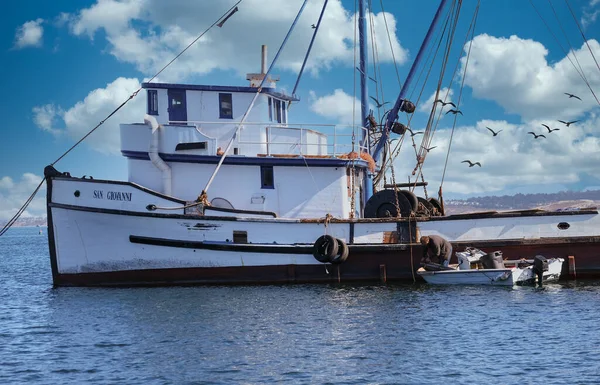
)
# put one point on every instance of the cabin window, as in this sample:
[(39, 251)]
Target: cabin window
[(152, 102), (266, 177), (225, 106), (270, 109), (284, 112), (278, 110)]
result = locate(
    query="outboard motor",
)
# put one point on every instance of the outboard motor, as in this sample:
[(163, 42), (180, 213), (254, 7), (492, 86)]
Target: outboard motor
[(492, 260), (540, 264)]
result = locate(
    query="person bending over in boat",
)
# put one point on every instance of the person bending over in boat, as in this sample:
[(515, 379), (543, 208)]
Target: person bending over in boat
[(436, 249)]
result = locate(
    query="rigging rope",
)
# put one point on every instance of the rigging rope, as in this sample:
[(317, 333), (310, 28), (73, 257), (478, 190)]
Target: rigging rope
[(387, 30), (582, 34), (581, 74), (312, 40), (227, 14), (396, 151), (472, 30), (259, 90), (442, 32)]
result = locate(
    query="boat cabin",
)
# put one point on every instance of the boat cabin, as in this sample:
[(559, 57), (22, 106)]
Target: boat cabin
[(296, 171)]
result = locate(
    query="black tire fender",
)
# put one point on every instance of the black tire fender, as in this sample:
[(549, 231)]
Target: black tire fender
[(342, 254), (383, 205), (412, 199), (427, 205), (435, 203), (325, 248)]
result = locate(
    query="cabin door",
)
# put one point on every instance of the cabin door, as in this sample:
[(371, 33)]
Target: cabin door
[(177, 106)]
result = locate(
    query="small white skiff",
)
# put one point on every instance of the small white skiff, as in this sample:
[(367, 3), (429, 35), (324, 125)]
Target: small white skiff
[(476, 267)]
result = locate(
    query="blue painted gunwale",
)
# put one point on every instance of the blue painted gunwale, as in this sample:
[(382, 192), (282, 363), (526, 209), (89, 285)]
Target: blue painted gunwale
[(198, 87), (250, 160)]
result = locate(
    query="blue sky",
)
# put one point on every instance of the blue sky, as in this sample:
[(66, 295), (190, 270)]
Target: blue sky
[(67, 64)]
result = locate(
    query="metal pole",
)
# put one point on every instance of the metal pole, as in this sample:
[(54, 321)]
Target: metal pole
[(364, 92), (393, 114)]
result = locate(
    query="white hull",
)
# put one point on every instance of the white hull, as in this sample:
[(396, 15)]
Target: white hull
[(91, 235), (493, 277)]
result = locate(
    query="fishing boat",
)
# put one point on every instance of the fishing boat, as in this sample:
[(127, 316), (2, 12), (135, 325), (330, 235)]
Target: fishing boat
[(223, 188), (476, 267)]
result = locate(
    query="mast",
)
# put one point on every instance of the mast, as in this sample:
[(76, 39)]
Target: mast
[(364, 93), (393, 114)]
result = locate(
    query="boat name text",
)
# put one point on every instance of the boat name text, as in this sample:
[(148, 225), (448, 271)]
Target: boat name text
[(112, 195)]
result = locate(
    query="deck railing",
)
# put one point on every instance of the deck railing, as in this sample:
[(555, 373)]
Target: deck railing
[(293, 139)]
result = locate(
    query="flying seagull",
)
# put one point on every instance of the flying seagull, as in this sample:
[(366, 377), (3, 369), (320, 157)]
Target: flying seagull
[(454, 112), (379, 105), (494, 132), (412, 133), (536, 136), (572, 96), (569, 123), (471, 164), (550, 129), (444, 103), (430, 148)]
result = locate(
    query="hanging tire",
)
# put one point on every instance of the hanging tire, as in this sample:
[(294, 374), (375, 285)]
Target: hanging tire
[(325, 248), (436, 204), (412, 199), (383, 205), (342, 254)]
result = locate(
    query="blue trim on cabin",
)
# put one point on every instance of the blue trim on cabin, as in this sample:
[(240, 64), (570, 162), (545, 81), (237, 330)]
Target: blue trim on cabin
[(250, 160), (197, 87)]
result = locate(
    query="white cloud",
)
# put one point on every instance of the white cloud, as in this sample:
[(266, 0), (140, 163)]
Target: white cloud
[(514, 73), (590, 13), (13, 195), (30, 34), (444, 94), (338, 106), (45, 116), (149, 33), (511, 160), (79, 119)]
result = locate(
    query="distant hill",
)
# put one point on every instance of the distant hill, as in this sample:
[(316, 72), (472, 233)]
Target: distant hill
[(28, 222), (563, 200)]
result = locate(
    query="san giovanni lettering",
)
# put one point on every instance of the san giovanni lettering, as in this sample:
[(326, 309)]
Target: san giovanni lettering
[(112, 195)]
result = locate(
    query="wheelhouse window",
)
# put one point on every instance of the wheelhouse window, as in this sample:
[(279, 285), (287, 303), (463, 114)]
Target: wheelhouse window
[(284, 112), (278, 110), (266, 177), (152, 102), (225, 106), (270, 109)]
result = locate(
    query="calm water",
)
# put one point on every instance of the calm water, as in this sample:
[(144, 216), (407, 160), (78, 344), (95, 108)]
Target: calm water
[(317, 334)]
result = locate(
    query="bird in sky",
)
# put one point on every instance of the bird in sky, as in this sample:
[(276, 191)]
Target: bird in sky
[(430, 148), (568, 123), (412, 133), (494, 132), (454, 112), (535, 136), (471, 164), (313, 26), (572, 96), (550, 129), (444, 103), (379, 105)]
